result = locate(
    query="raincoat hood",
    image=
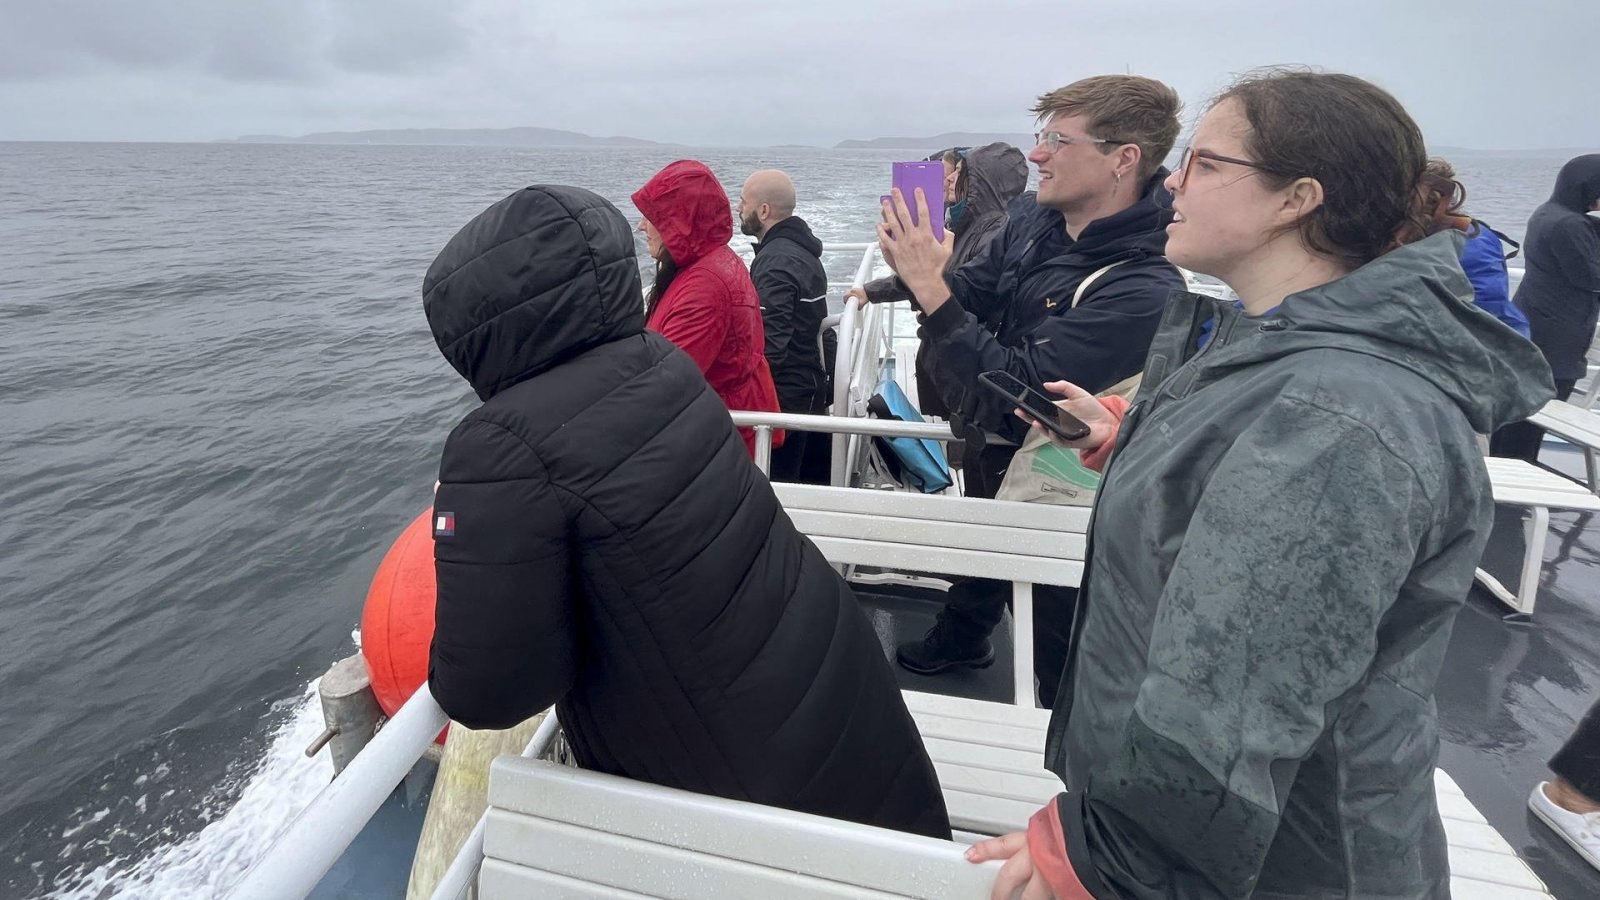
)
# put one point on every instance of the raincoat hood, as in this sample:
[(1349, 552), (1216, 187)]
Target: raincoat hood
[(686, 203), (1494, 375), (996, 175)]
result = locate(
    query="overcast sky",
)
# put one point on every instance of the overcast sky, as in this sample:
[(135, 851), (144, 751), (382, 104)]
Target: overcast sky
[(1475, 73)]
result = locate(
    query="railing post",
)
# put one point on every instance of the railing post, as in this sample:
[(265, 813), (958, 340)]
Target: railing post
[(1022, 644), (764, 449), (844, 372)]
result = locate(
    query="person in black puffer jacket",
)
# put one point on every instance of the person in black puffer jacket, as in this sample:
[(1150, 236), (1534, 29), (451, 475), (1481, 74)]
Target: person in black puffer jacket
[(604, 543)]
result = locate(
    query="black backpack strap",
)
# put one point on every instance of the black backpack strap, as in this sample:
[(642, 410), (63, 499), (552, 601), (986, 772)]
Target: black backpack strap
[(1504, 239)]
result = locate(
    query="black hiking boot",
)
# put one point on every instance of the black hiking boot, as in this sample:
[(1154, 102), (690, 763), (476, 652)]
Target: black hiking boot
[(942, 648)]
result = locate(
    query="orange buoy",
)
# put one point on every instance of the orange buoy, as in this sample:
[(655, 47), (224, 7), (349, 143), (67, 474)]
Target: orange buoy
[(397, 623)]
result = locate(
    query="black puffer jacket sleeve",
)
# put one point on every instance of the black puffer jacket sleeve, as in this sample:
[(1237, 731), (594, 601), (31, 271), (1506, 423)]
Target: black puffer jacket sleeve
[(503, 641)]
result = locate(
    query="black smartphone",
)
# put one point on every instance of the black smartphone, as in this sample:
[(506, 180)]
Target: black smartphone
[(1034, 405)]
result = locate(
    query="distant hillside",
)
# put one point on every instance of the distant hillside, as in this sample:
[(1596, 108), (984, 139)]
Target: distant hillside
[(937, 142), (1540, 153), (473, 137)]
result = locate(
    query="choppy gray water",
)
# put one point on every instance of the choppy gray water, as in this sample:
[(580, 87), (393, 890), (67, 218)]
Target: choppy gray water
[(219, 402)]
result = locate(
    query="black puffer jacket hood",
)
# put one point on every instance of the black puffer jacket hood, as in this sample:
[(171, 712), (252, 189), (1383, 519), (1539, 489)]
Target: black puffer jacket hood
[(537, 278)]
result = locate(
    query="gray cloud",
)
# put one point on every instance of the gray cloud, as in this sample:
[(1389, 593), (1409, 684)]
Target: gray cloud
[(700, 72), (291, 41)]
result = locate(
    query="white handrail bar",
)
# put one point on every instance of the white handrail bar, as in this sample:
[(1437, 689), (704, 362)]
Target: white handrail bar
[(874, 427), (855, 427), (296, 862)]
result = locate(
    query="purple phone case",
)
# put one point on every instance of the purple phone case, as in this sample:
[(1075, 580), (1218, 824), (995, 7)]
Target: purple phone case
[(908, 176)]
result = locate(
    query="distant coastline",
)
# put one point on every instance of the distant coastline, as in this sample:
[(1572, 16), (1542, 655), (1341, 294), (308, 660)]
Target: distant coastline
[(936, 142), (453, 137), (554, 138)]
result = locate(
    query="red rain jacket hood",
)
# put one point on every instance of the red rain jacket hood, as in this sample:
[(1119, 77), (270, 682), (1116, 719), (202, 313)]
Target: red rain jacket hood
[(687, 204)]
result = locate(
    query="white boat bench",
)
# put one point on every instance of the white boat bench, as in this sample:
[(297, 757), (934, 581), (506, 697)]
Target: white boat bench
[(1024, 543), (556, 832), (1517, 483), (1576, 425)]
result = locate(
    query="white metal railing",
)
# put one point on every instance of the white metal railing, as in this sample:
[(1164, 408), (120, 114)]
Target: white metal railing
[(858, 331), (764, 423)]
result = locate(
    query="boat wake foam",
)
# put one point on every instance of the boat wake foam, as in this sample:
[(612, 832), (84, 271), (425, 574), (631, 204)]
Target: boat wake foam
[(208, 862)]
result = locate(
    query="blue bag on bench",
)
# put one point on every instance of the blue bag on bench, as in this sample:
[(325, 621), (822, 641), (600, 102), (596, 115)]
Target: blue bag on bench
[(921, 462)]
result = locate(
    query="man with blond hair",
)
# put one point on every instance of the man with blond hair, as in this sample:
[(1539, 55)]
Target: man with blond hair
[(1071, 290)]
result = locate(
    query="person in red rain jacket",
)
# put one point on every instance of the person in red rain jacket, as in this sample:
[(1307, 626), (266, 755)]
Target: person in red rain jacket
[(703, 300)]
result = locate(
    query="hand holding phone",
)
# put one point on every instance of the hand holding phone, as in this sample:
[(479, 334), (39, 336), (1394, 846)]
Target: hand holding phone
[(1034, 406), (908, 176)]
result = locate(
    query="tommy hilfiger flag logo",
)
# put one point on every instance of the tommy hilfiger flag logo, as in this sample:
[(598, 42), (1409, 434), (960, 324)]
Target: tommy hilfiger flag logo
[(444, 524)]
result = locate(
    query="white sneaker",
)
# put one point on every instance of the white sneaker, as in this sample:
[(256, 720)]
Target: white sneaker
[(1580, 830)]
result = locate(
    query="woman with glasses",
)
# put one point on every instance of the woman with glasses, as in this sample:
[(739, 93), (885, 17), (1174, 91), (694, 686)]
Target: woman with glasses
[(1290, 516)]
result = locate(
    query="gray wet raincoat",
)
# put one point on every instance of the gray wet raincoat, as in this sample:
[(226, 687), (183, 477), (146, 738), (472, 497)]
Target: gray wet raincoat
[(1286, 530)]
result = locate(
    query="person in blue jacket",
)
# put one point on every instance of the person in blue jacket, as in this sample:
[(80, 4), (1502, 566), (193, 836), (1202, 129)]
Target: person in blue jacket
[(1484, 255)]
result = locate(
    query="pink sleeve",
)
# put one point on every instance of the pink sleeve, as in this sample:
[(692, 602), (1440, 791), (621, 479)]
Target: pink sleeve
[(1047, 845), (1096, 459)]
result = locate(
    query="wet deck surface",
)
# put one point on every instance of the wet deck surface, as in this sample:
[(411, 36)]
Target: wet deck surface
[(1510, 693)]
